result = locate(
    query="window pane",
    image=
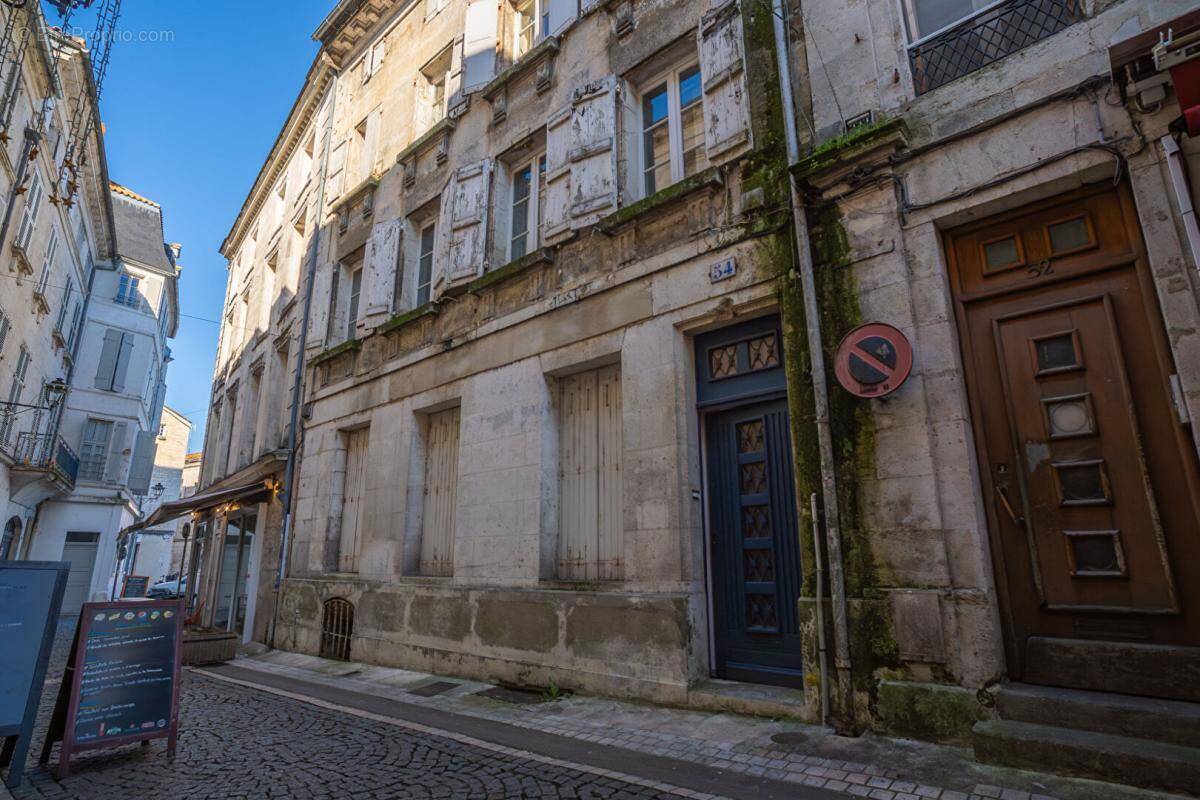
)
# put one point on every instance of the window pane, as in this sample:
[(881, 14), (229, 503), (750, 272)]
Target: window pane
[(657, 144), (425, 267), (689, 86), (654, 106), (694, 158), (522, 182), (1070, 235), (933, 15)]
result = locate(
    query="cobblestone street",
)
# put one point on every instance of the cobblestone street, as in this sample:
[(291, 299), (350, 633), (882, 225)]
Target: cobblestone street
[(237, 742)]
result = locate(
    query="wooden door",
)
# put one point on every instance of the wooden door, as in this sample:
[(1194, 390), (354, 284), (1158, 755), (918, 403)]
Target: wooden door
[(352, 499), (755, 545), (1089, 471)]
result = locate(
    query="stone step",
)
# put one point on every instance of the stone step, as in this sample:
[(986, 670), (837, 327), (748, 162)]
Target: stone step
[(1170, 721), (1086, 754)]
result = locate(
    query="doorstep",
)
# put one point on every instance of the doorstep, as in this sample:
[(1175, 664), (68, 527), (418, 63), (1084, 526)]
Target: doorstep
[(778, 749), (775, 702)]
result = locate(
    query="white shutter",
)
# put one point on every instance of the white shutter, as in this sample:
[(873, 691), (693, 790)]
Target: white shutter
[(29, 215), (479, 43), (142, 467), (352, 499), (556, 213), (109, 352), (114, 464), (454, 78), (441, 494), (723, 73), (123, 358), (593, 151), (5, 326), (382, 259), (562, 13), (318, 321), (466, 230), (590, 520), (337, 170), (370, 146)]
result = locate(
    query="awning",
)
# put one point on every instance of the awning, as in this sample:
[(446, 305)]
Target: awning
[(199, 502)]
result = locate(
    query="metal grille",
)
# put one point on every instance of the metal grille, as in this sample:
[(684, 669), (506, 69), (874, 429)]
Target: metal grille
[(987, 38), (337, 628)]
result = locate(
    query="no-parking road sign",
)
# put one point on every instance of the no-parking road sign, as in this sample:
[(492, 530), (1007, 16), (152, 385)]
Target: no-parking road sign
[(873, 360)]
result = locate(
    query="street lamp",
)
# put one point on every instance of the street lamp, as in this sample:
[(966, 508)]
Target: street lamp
[(157, 490), (56, 391)]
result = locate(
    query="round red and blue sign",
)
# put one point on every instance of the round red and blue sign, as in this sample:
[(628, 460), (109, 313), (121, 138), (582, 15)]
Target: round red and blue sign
[(873, 360)]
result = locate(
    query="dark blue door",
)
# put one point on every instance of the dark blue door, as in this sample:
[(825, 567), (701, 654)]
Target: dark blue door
[(755, 552)]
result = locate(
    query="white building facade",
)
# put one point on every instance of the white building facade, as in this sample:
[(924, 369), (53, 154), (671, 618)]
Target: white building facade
[(113, 413), (57, 225), (150, 551)]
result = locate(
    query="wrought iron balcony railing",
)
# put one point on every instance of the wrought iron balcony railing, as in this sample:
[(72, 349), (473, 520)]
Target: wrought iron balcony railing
[(44, 451), (987, 37)]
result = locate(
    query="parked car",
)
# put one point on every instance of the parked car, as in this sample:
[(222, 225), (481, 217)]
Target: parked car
[(166, 590)]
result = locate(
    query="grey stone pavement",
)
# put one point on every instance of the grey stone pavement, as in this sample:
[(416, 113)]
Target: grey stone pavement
[(287, 725)]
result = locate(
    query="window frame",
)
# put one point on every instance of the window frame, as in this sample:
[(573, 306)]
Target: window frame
[(536, 164), (84, 444), (907, 12), (425, 276), (127, 290), (353, 298), (540, 21), (671, 77)]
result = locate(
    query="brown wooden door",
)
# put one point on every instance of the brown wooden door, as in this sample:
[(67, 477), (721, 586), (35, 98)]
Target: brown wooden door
[(1088, 470)]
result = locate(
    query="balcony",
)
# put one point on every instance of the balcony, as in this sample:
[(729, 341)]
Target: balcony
[(986, 37), (48, 454)]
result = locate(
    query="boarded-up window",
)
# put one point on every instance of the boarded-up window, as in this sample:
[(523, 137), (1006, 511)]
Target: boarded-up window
[(352, 498), (441, 493), (589, 482)]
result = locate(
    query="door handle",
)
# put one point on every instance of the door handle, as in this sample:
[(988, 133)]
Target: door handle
[(1002, 495)]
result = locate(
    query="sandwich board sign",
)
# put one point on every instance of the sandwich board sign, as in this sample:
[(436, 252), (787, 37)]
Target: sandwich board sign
[(122, 680), (31, 594), (135, 586)]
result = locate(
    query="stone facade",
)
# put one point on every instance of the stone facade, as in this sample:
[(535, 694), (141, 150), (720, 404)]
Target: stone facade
[(425, 134)]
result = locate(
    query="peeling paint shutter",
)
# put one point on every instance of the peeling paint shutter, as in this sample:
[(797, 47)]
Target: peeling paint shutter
[(562, 13), (370, 145), (466, 245), (337, 169), (441, 493), (479, 43), (441, 247), (382, 258), (593, 151), (590, 522), (722, 69), (556, 213), (116, 447), (353, 499), (454, 78), (318, 322), (143, 462)]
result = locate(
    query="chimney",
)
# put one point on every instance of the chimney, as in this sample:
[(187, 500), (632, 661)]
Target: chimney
[(176, 250)]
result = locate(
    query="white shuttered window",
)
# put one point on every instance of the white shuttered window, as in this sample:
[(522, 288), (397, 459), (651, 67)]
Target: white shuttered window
[(352, 499), (441, 493), (589, 484)]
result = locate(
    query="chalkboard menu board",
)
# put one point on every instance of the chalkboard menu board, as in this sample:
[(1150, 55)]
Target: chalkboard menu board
[(122, 684), (31, 595), (135, 586)]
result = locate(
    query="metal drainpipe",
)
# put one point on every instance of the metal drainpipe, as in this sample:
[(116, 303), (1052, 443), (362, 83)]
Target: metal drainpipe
[(289, 475), (844, 714)]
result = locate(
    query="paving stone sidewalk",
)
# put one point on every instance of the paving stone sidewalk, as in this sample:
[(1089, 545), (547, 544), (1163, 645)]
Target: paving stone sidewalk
[(873, 767)]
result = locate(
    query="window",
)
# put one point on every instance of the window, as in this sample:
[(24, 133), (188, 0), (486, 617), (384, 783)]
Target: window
[(33, 207), (434, 6), (425, 264), (128, 290), (531, 21), (590, 524), (115, 354), (94, 451), (926, 17), (5, 327), (373, 60), (353, 486), (433, 96), (64, 307), (672, 129), (14, 395), (527, 195), (355, 293), (441, 493), (48, 263)]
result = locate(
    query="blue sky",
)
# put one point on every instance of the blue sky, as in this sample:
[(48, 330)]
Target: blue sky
[(190, 111)]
